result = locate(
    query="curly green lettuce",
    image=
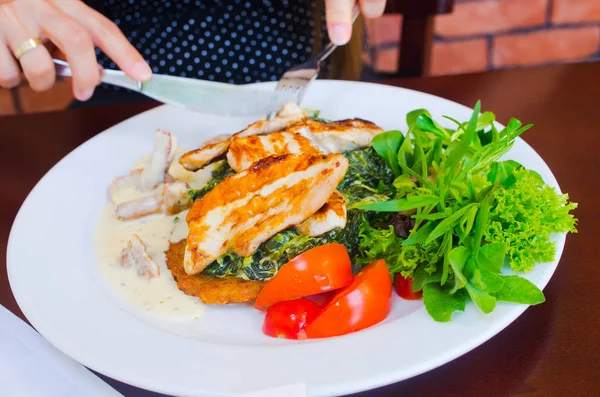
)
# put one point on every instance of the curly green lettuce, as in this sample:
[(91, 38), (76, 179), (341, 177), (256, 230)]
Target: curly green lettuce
[(524, 216)]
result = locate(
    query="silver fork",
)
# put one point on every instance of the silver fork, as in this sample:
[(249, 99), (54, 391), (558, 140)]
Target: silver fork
[(296, 79)]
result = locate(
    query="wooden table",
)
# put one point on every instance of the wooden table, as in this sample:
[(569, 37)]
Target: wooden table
[(553, 349)]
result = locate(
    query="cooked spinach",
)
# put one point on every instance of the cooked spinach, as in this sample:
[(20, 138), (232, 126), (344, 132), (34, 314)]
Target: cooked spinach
[(220, 171)]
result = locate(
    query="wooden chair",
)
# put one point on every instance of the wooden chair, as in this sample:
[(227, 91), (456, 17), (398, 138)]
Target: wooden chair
[(416, 36)]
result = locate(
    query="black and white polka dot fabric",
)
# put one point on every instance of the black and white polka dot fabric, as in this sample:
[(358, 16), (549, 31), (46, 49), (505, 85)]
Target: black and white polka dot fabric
[(236, 41)]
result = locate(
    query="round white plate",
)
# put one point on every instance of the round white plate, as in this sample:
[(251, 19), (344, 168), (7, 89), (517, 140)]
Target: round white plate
[(56, 281)]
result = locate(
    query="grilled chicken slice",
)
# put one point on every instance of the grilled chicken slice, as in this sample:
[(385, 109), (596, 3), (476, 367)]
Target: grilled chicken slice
[(248, 208), (338, 136), (136, 254), (212, 150), (243, 152), (151, 190), (307, 137), (157, 166), (289, 115), (331, 215), (167, 198)]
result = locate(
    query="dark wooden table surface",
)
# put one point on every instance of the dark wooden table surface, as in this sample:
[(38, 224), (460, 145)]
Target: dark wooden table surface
[(553, 349)]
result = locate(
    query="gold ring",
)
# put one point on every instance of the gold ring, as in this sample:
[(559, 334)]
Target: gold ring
[(27, 46)]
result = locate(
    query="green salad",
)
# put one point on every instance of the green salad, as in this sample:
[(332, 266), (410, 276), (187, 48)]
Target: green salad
[(441, 208)]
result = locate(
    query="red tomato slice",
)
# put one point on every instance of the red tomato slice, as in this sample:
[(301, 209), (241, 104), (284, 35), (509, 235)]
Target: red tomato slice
[(317, 270), (364, 303), (287, 319), (404, 288)]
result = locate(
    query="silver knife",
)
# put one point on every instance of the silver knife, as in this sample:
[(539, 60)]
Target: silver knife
[(197, 95)]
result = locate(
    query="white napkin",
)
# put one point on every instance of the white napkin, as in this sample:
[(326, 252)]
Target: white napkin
[(31, 367)]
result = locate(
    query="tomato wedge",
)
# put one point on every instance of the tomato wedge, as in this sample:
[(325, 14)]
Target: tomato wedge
[(364, 303), (317, 270), (287, 319), (404, 288)]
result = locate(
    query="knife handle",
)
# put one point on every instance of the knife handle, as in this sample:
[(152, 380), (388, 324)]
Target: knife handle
[(108, 76)]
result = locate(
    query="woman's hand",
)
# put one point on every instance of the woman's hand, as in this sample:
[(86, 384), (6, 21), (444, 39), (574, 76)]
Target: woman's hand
[(74, 28), (339, 16)]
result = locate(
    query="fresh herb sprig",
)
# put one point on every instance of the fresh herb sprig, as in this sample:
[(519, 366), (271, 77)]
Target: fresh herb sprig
[(470, 213)]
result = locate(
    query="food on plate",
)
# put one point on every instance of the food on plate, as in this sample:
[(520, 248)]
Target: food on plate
[(330, 216), (248, 208), (320, 269), (365, 302), (151, 190), (404, 288), (136, 255), (298, 211), (210, 289), (288, 318), (289, 115)]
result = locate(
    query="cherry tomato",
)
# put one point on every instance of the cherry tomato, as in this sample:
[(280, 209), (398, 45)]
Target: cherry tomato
[(287, 319), (363, 303), (317, 270), (404, 288)]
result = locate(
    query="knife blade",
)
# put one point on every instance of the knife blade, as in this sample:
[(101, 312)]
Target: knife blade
[(198, 95)]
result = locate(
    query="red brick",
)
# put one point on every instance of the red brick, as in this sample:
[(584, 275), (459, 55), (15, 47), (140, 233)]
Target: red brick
[(384, 30), (459, 57), (566, 11), (387, 60), (491, 16), (546, 46)]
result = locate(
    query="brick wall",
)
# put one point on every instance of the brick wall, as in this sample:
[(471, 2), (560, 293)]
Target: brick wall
[(495, 34)]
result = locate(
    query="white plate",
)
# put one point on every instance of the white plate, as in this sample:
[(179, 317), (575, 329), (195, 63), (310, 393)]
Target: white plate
[(55, 278)]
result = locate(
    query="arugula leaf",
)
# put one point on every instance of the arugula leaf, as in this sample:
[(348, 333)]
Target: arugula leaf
[(421, 277), (387, 145), (458, 258), (436, 216), (487, 281), (491, 257), (440, 304), (424, 122), (445, 252), (502, 173), (434, 154), (411, 117), (482, 219), (519, 290), (466, 223), (404, 204), (460, 150), (447, 223), (482, 299), (418, 236), (403, 185)]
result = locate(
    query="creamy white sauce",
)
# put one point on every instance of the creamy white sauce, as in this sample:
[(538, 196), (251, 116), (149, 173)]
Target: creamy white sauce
[(159, 296)]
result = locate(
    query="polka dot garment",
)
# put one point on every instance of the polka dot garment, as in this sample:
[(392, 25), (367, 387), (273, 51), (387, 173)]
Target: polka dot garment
[(236, 41)]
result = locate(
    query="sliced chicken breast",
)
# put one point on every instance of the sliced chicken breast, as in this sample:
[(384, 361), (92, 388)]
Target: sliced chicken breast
[(338, 136), (289, 115), (331, 215), (248, 208), (156, 168), (243, 152), (136, 254), (202, 157)]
